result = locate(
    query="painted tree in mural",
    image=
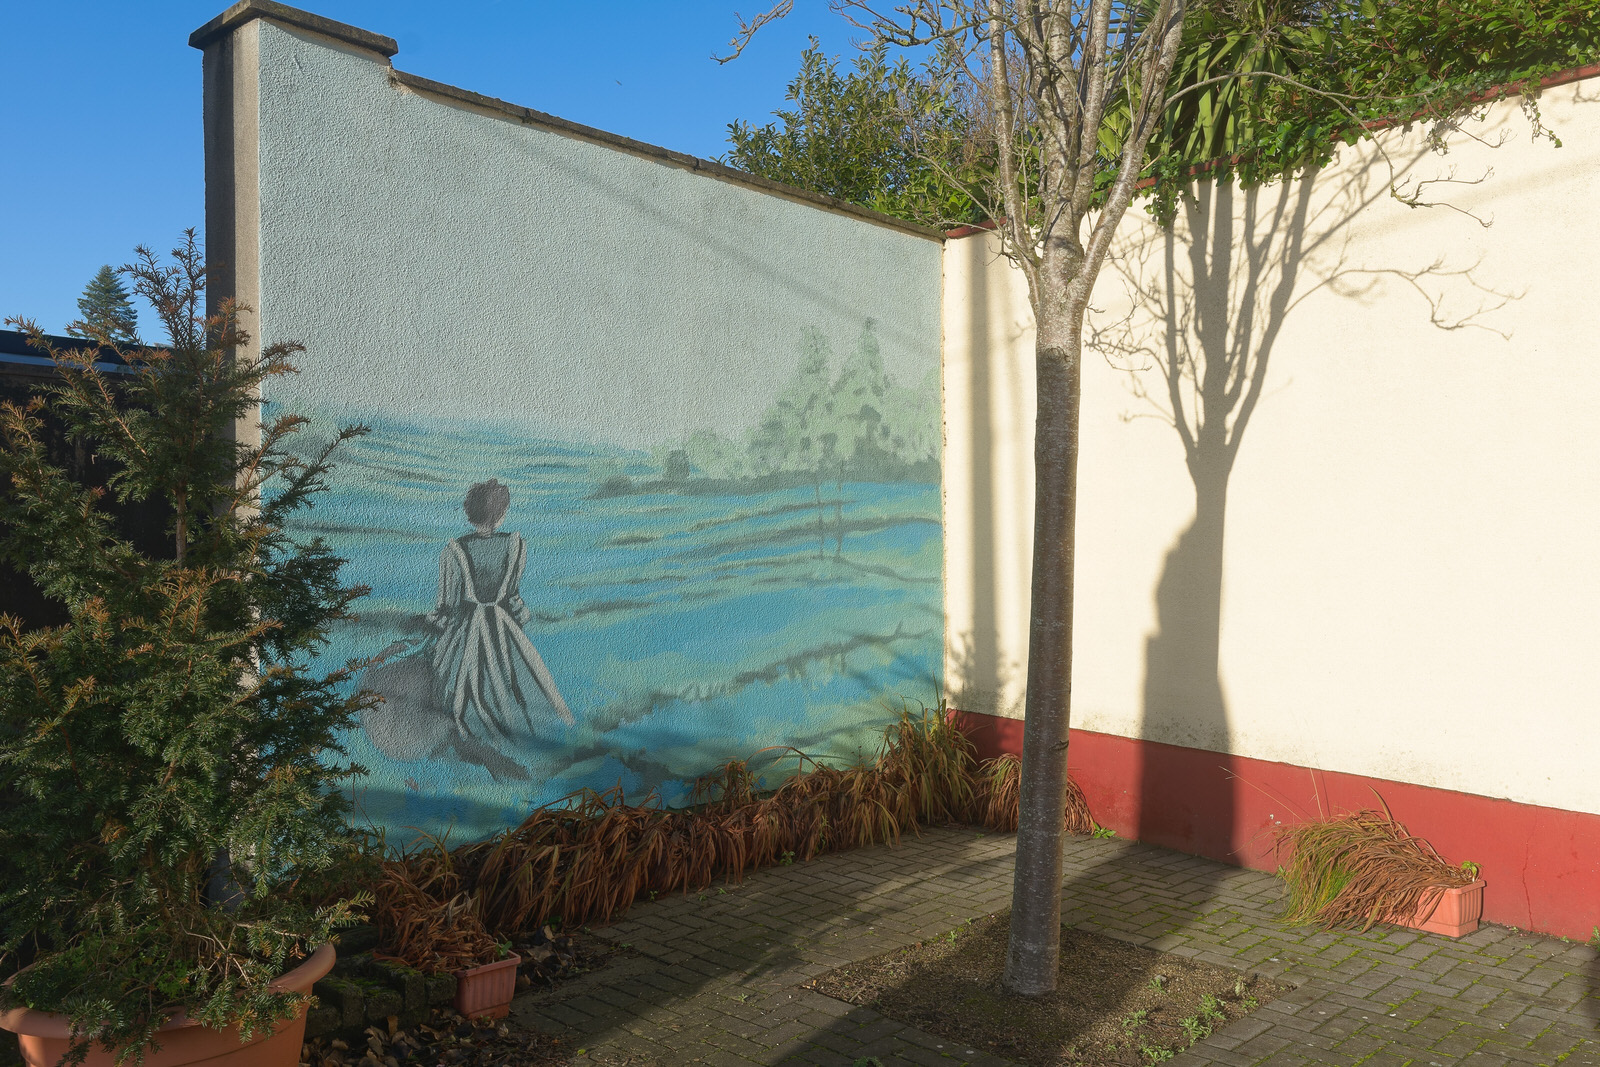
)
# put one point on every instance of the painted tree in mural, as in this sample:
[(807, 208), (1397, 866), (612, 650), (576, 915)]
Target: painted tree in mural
[(830, 429), (797, 433)]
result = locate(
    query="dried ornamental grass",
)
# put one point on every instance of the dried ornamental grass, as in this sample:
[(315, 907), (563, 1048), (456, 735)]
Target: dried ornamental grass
[(930, 764), (425, 917), (591, 855), (999, 798), (1361, 868)]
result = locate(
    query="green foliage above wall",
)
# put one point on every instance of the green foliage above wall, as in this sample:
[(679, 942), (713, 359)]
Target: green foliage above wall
[(1262, 88), (864, 136), (105, 304), (1313, 74)]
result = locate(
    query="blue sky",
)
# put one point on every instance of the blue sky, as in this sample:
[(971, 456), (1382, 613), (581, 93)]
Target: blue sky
[(100, 104)]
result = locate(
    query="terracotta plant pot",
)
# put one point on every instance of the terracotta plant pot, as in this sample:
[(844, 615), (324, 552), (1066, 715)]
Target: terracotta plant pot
[(485, 992), (1456, 912), (45, 1036)]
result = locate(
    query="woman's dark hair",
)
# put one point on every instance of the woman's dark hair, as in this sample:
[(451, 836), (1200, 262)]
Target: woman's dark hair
[(486, 503)]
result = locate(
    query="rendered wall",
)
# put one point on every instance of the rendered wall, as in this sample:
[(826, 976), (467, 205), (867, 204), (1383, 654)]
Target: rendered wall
[(715, 410), (1389, 570)]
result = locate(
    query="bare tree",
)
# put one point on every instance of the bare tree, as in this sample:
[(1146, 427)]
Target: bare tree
[(1065, 96)]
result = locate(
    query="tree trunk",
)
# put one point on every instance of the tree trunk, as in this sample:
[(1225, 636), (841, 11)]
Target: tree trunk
[(1035, 947)]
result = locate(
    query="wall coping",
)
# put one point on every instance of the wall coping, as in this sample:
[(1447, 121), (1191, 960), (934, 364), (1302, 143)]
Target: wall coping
[(249, 10), (710, 168)]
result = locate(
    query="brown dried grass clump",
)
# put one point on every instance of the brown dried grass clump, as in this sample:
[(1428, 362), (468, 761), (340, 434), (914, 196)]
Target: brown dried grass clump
[(425, 916), (1361, 868), (591, 855), (998, 798)]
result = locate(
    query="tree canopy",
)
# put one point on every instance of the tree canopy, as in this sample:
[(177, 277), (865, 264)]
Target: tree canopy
[(855, 136), (1261, 89), (1265, 88)]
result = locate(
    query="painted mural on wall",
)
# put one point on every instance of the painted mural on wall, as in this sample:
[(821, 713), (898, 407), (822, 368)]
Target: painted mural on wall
[(549, 615)]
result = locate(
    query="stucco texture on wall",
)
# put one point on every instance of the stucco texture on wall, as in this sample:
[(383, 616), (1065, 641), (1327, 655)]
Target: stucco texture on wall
[(711, 417), (1339, 473)]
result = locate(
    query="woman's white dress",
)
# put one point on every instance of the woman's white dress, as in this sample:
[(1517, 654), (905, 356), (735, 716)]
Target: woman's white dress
[(490, 678)]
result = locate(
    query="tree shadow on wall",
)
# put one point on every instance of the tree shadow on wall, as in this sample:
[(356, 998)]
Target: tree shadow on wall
[(1232, 269), (1217, 353)]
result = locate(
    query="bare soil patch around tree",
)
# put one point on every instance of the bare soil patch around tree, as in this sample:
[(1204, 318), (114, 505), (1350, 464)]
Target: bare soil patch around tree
[(1115, 1005)]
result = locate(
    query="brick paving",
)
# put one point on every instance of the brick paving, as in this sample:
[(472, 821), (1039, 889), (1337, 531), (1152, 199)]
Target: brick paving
[(716, 978)]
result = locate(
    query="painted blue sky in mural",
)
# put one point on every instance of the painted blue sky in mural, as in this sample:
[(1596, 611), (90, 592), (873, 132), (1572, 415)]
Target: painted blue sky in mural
[(686, 605)]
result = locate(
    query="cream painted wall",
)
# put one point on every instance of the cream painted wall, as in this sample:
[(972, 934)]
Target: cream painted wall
[(1407, 585)]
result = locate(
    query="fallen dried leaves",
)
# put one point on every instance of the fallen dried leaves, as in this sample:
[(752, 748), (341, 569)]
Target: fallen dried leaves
[(445, 1040)]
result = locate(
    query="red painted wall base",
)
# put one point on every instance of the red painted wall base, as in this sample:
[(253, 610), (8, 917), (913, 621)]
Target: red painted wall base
[(1542, 865)]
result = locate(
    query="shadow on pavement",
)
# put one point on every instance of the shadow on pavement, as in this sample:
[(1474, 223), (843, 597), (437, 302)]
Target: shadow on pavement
[(722, 974)]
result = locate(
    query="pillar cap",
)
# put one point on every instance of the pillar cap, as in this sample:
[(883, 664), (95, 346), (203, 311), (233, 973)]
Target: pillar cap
[(248, 10)]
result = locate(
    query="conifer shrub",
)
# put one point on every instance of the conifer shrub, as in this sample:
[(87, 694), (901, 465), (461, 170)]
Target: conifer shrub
[(168, 758)]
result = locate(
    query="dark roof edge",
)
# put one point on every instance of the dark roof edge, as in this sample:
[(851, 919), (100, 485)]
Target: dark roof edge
[(17, 355), (721, 172), (249, 10)]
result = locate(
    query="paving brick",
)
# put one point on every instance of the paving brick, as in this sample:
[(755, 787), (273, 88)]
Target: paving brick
[(783, 1034), (1492, 999), (926, 1057), (1227, 1057), (843, 1043), (1387, 1057), (722, 1057), (1264, 1044), (1458, 1045), (1555, 1014)]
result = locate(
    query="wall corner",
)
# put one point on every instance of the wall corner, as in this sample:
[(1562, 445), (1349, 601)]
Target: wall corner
[(231, 80)]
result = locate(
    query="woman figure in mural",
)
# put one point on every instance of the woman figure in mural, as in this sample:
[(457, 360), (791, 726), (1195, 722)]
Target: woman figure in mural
[(478, 689)]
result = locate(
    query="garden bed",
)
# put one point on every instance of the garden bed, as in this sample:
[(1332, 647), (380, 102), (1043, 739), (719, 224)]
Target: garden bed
[(1116, 1004), (435, 1036)]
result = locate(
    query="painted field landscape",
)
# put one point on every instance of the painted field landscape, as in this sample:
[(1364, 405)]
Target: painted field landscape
[(699, 602)]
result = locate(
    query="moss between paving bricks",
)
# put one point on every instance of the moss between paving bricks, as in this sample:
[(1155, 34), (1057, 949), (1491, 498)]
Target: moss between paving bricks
[(364, 992), (340, 1007)]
